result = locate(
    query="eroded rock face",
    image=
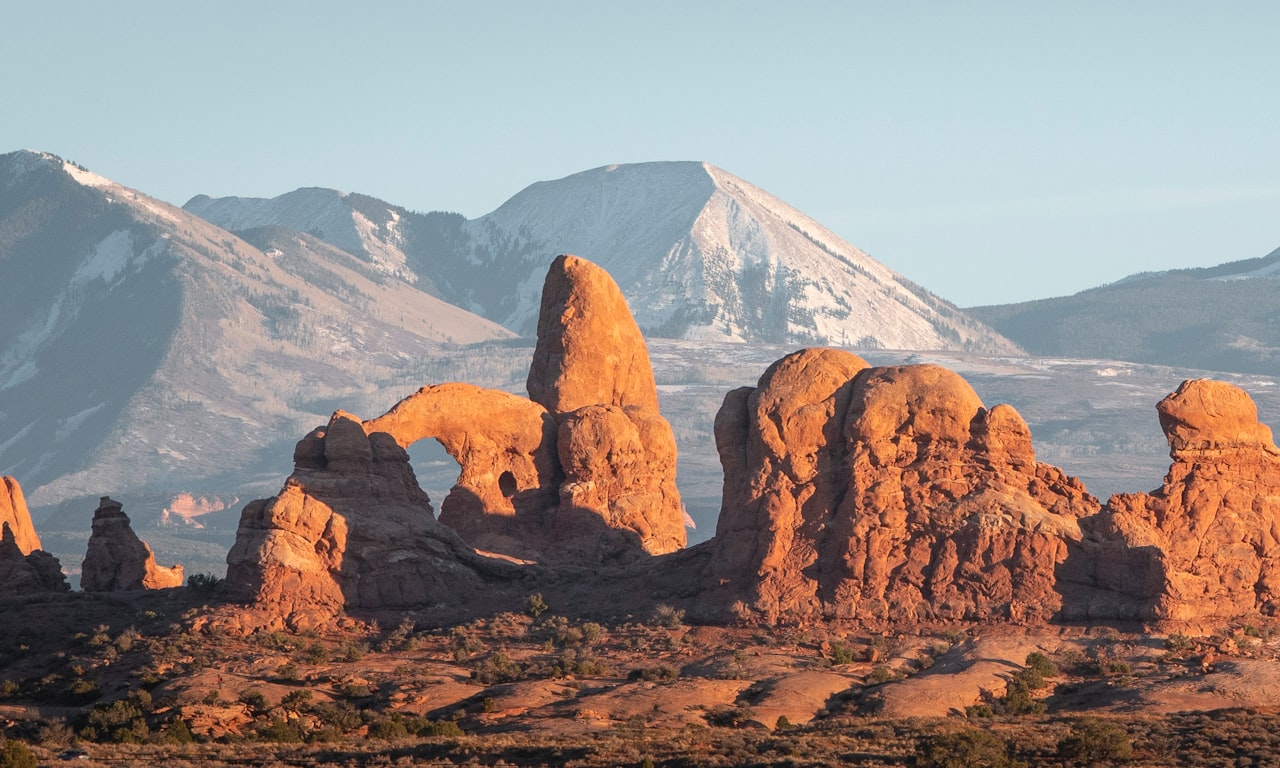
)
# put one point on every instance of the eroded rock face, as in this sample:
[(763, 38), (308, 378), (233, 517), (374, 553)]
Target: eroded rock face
[(581, 474), (590, 350), (351, 528), (117, 560), (887, 494), (30, 572), (1205, 546), (13, 511)]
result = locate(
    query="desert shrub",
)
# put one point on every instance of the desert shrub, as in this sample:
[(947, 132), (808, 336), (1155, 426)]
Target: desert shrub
[(735, 717), (279, 731), (667, 616), (389, 729), (782, 724), (254, 700), (297, 701), (498, 668), (656, 674), (55, 733), (315, 654), (842, 654), (83, 691), (354, 651), (399, 638), (880, 675), (437, 728), (288, 672), (15, 754), (123, 721), (203, 584), (1040, 664), (592, 633), (1093, 741), (972, 748), (176, 732), (1017, 698), (535, 606)]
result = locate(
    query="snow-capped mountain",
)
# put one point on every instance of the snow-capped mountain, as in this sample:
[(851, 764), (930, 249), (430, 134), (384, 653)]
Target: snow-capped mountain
[(147, 350), (699, 253)]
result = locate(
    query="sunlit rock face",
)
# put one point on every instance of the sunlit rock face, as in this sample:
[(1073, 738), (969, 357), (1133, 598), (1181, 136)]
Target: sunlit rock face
[(886, 494), (14, 513), (581, 473), (24, 567), (1205, 546)]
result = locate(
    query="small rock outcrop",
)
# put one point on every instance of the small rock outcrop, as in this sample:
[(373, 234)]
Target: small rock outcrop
[(27, 573), (1205, 546), (13, 511), (117, 560), (24, 567), (887, 494)]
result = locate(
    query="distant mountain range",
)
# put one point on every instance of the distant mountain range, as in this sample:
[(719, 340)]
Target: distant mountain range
[(1223, 318), (699, 253), (145, 348)]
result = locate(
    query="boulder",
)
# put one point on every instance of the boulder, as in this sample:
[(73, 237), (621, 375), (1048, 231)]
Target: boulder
[(13, 511), (117, 560), (886, 494), (1204, 548)]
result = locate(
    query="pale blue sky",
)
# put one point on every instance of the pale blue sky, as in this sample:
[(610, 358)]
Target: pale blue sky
[(991, 151)]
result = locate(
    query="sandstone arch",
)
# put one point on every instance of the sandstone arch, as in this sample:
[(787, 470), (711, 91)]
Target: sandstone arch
[(505, 446)]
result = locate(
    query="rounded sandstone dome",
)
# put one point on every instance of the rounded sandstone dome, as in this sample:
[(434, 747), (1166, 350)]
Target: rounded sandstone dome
[(1205, 414)]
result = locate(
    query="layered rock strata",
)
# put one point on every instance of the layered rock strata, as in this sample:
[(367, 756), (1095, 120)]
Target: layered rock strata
[(886, 494), (117, 560)]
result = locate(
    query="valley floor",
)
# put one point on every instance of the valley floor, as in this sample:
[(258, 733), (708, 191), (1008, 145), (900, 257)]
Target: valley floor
[(158, 677)]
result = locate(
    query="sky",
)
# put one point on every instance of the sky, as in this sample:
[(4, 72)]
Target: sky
[(991, 151)]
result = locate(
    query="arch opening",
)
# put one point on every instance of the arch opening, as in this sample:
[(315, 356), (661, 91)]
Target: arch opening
[(436, 470)]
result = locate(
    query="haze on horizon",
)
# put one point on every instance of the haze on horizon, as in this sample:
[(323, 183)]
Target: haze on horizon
[(992, 152)]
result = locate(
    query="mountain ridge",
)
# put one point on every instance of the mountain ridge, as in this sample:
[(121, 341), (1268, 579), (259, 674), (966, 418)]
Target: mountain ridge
[(700, 254)]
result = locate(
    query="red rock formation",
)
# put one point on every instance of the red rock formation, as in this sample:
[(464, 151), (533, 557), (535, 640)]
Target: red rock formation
[(27, 573), (506, 448), (582, 473), (590, 350), (117, 560), (351, 528), (1205, 547), (13, 510), (886, 494)]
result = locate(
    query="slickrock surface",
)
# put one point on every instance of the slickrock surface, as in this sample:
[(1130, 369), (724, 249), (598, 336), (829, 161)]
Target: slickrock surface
[(117, 560), (13, 510), (887, 494), (1205, 546)]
